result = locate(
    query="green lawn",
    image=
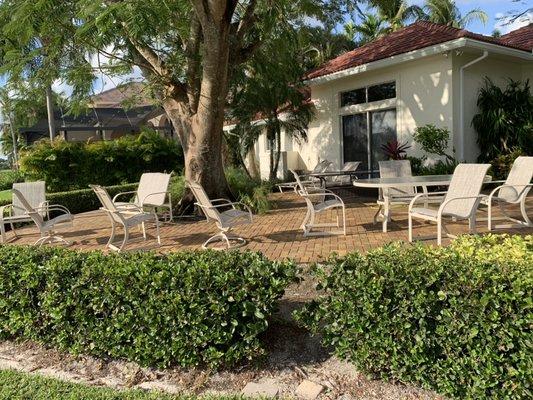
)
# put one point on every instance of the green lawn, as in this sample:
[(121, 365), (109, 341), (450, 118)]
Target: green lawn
[(21, 386), (5, 195)]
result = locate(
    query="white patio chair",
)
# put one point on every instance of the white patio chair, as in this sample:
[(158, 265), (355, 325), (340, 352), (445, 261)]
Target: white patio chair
[(394, 196), (322, 166), (344, 180), (151, 194), (47, 228), (224, 220), (128, 218), (34, 193), (460, 201), (513, 191), (319, 200)]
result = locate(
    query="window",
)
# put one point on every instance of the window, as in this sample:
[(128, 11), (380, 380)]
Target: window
[(383, 91), (363, 135)]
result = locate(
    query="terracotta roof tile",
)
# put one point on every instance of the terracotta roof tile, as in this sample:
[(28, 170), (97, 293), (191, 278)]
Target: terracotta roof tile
[(414, 37)]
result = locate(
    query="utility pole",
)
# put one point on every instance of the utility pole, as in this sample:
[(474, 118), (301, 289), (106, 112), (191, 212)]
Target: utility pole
[(50, 111)]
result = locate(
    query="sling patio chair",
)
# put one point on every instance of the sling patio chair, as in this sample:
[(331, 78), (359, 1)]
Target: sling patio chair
[(322, 166), (34, 193), (128, 218), (344, 180), (318, 200), (460, 201), (394, 196), (47, 228), (225, 220), (513, 191), (151, 194)]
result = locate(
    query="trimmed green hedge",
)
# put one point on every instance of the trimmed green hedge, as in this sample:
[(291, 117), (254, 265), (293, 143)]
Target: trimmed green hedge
[(8, 177), (457, 320), (187, 308), (69, 166)]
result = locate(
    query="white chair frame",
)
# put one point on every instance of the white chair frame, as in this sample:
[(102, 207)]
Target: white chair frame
[(47, 228), (128, 218), (316, 202), (322, 166), (224, 220)]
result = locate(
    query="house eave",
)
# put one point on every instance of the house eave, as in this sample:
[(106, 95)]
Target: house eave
[(421, 53)]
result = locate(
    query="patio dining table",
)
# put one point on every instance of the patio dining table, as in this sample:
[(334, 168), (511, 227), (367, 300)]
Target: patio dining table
[(404, 181)]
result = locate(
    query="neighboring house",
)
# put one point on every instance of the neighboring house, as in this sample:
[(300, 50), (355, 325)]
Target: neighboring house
[(111, 114), (422, 74)]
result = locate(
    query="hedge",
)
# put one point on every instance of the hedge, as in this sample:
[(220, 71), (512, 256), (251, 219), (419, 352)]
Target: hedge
[(457, 320), (8, 177), (68, 166), (188, 308)]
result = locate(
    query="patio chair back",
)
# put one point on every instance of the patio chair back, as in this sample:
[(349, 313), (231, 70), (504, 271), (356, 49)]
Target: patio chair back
[(349, 166), (467, 181), (322, 166), (36, 217), (519, 177), (396, 169), (152, 189), (203, 201), (107, 202), (34, 195)]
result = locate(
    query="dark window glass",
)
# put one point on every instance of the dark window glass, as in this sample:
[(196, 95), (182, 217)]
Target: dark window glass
[(355, 139), (382, 92), (357, 96), (383, 126)]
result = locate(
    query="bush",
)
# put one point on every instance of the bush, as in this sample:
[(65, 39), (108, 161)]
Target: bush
[(419, 167), (187, 308), (8, 178), (456, 319), (502, 164), (70, 166)]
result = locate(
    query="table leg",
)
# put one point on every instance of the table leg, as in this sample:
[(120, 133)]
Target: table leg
[(386, 212)]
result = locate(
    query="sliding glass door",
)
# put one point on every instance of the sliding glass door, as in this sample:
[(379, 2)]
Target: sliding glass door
[(363, 135)]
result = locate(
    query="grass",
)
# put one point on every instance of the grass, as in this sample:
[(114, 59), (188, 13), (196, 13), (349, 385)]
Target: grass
[(5, 195), (21, 386)]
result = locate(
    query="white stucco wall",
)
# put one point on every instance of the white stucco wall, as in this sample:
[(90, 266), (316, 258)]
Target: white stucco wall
[(499, 70)]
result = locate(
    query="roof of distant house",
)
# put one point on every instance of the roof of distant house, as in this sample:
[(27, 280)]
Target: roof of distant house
[(133, 93), (417, 36)]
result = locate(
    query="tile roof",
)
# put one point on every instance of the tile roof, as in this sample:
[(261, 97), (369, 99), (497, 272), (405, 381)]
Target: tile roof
[(414, 37)]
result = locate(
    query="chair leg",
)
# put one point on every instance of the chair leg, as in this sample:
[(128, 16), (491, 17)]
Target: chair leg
[(13, 229), (378, 212), (489, 215), (112, 237), (143, 227), (410, 220), (472, 224), (524, 213), (157, 230), (126, 237), (343, 221), (304, 223), (439, 232), (3, 232)]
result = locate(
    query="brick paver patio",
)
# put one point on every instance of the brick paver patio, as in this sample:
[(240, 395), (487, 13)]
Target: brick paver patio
[(276, 233)]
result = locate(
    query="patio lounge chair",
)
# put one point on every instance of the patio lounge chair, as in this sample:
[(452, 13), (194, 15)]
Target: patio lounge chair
[(344, 180), (394, 196), (460, 201), (47, 228), (151, 194), (34, 193), (513, 191), (225, 220), (318, 200), (322, 166), (128, 218)]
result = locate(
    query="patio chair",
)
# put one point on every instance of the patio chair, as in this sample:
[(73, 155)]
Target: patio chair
[(460, 201), (128, 218), (47, 228), (151, 194), (322, 166), (394, 196), (513, 191), (344, 180), (319, 200), (225, 220), (34, 193)]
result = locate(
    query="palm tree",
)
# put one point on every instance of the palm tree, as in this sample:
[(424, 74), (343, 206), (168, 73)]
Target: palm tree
[(396, 13), (370, 28), (446, 12)]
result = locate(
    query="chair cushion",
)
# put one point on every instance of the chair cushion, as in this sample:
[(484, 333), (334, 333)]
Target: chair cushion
[(325, 205), (60, 219), (424, 212), (230, 217)]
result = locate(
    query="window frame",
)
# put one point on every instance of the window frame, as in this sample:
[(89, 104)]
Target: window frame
[(339, 96)]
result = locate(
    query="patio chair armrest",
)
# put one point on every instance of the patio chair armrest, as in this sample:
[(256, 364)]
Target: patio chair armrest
[(423, 196), (221, 201), (122, 194), (323, 193), (53, 207), (497, 189), (153, 194), (445, 203)]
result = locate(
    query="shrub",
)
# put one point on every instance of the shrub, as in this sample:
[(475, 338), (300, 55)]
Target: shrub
[(456, 319), (70, 166), (187, 308), (502, 164), (434, 140), (8, 178)]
